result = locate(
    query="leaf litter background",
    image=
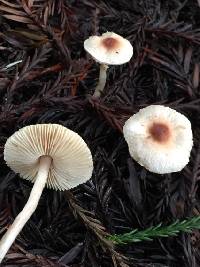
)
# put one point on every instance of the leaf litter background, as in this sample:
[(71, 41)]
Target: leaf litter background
[(54, 84)]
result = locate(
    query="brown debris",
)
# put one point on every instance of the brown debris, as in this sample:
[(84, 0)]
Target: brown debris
[(54, 82)]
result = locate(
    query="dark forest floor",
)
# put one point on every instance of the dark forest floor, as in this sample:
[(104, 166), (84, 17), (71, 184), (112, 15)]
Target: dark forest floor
[(54, 83)]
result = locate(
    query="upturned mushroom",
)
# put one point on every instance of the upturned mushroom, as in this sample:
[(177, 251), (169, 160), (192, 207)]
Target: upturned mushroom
[(47, 155), (108, 49), (159, 138)]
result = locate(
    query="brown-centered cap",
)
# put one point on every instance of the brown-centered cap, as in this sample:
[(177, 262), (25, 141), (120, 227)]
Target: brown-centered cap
[(159, 138), (71, 158), (110, 48)]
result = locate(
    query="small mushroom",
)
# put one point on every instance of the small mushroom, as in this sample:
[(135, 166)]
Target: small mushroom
[(108, 49), (159, 138), (47, 155)]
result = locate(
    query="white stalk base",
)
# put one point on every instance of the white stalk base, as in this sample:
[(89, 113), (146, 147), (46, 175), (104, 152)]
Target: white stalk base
[(102, 80), (21, 219)]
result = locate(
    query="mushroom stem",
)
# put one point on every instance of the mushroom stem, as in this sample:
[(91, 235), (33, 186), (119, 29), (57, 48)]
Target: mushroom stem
[(102, 80), (31, 205)]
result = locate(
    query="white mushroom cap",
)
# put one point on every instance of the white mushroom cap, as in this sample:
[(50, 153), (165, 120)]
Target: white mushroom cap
[(159, 138), (71, 158), (110, 48)]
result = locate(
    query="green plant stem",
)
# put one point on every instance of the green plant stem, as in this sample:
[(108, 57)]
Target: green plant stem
[(98, 229), (157, 231)]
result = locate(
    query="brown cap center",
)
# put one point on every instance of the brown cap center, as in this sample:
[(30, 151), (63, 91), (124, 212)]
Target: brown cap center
[(160, 132), (110, 43)]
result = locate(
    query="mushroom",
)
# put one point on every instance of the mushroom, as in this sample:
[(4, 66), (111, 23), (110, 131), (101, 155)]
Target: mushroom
[(159, 138), (45, 154), (108, 49)]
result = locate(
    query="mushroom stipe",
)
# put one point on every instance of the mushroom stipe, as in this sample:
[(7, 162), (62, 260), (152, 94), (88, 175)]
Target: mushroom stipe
[(29, 208), (48, 155), (108, 49)]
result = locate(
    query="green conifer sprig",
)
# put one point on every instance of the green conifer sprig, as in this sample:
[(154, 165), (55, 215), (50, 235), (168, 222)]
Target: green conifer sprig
[(157, 231)]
